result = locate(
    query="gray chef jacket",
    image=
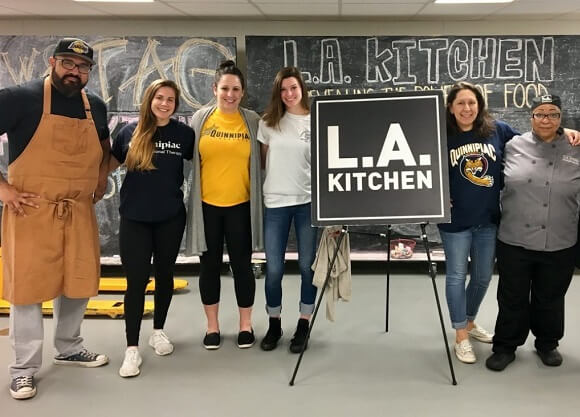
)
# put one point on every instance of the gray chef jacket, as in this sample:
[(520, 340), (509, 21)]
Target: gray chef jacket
[(541, 197)]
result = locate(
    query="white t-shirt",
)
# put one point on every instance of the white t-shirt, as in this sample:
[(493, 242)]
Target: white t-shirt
[(287, 180)]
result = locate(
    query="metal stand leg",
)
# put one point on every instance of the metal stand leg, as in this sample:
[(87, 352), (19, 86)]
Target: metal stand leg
[(330, 266), (433, 274), (388, 278)]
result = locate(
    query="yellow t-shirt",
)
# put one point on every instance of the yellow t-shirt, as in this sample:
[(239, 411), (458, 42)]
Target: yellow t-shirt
[(224, 149)]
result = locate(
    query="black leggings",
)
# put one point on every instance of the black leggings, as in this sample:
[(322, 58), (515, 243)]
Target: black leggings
[(138, 241), (233, 223)]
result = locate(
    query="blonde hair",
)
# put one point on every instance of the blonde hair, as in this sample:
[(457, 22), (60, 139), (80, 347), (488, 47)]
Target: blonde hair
[(140, 154)]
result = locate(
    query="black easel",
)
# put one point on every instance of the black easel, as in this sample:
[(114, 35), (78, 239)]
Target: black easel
[(432, 273), (388, 286), (343, 232)]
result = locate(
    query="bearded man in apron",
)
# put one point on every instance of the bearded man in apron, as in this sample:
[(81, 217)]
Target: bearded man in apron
[(58, 142)]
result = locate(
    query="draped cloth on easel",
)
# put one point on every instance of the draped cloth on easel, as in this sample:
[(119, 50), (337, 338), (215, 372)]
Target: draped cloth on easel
[(340, 281)]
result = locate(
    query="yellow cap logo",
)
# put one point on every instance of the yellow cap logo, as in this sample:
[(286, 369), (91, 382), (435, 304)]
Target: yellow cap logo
[(79, 47)]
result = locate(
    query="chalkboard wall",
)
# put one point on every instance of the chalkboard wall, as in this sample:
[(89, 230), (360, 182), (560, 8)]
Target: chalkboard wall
[(125, 67), (509, 70)]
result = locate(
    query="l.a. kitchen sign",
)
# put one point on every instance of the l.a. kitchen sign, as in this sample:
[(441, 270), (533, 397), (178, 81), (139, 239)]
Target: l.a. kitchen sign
[(379, 159)]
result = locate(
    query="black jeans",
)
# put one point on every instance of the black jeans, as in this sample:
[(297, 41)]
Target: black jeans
[(138, 242), (530, 295), (233, 224)]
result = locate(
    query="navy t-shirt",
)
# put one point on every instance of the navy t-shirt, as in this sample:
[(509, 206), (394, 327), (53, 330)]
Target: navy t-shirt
[(21, 110), (155, 195), (475, 169)]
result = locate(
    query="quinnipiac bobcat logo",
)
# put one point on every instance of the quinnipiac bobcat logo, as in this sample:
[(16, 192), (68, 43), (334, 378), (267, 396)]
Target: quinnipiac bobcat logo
[(473, 167)]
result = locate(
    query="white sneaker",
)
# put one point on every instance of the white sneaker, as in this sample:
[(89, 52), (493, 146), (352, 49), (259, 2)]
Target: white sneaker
[(131, 363), (160, 342), (464, 351), (479, 333)]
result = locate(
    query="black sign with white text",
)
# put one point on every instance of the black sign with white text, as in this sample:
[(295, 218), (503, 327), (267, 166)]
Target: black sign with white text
[(379, 159)]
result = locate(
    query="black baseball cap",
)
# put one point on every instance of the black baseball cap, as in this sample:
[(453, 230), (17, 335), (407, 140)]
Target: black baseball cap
[(75, 47), (546, 99)]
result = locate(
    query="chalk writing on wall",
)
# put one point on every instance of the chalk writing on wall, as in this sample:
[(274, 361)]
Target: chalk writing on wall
[(509, 70), (124, 68)]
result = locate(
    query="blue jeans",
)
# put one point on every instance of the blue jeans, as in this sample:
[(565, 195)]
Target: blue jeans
[(277, 223), (477, 242)]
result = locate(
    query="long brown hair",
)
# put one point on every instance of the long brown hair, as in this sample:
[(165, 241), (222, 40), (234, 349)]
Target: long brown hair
[(483, 125), (140, 155), (276, 108)]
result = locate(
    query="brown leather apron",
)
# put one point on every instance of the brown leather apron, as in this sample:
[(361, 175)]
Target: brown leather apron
[(54, 249)]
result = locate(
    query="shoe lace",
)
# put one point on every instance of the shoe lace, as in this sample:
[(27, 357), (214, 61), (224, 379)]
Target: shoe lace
[(465, 347), (85, 354), (23, 381), (480, 330), (160, 337), (131, 355)]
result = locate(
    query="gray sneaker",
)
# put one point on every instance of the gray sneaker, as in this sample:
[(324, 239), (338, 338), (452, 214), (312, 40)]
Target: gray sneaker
[(83, 358), (22, 387)]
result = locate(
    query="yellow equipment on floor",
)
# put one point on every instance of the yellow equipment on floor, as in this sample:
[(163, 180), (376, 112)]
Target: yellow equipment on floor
[(1, 273), (119, 284), (111, 308), (99, 307)]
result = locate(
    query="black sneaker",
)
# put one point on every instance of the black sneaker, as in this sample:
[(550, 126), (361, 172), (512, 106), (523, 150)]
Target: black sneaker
[(22, 387), (550, 357), (212, 341), (273, 335), (246, 339), (499, 360), (300, 336), (84, 358)]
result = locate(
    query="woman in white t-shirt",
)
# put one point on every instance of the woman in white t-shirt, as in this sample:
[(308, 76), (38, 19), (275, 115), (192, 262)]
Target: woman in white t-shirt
[(284, 133)]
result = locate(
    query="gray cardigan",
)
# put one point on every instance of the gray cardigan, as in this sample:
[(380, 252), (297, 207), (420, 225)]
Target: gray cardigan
[(195, 237)]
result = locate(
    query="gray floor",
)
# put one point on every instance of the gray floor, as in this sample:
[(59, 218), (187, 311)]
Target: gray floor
[(353, 368)]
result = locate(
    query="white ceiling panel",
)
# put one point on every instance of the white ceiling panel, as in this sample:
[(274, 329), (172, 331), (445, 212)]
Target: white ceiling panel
[(193, 2), (218, 9), (374, 9), (539, 7), (516, 17), (461, 9), (387, 2), (290, 9), (43, 8), (137, 9), (11, 12), (295, 9), (287, 2)]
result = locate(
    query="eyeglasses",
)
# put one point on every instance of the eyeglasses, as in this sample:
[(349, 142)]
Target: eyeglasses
[(542, 116), (71, 65)]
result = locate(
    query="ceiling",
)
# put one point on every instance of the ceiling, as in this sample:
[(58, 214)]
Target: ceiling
[(295, 10)]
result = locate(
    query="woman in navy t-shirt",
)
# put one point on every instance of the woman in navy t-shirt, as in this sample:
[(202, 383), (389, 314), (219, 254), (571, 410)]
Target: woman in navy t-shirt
[(475, 144), (152, 211)]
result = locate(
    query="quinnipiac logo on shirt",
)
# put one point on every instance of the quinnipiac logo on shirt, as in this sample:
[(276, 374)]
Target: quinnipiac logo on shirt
[(215, 133), (167, 147), (473, 167)]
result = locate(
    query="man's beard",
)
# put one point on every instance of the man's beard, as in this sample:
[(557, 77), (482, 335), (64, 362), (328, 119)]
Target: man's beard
[(71, 87)]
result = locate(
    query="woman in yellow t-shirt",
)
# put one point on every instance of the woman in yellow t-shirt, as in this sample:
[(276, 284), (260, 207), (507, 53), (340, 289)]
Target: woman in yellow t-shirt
[(225, 202)]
